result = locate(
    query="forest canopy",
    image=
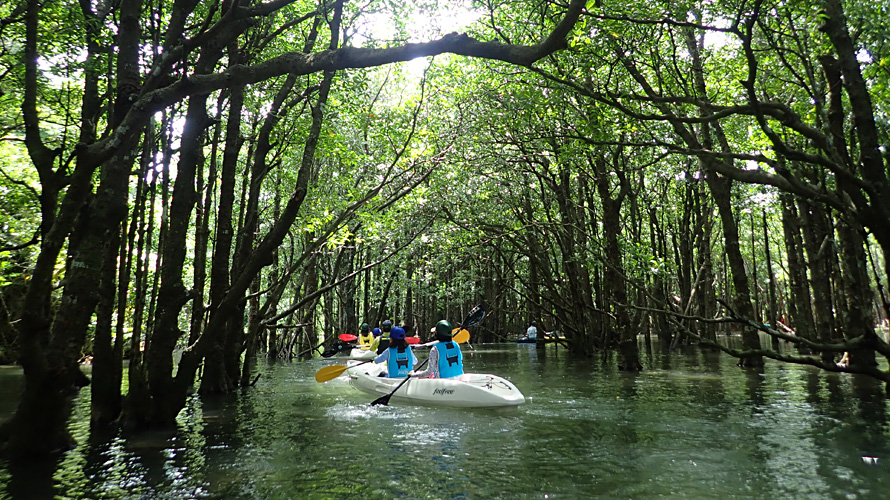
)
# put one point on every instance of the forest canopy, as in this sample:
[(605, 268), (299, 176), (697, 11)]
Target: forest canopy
[(191, 185)]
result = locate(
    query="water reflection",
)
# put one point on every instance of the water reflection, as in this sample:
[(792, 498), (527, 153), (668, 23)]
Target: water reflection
[(691, 425)]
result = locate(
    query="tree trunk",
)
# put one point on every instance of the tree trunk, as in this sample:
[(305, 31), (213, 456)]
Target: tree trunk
[(166, 397), (858, 317), (658, 286), (629, 354), (800, 310), (50, 354), (707, 296), (871, 162), (771, 315), (818, 244), (250, 260), (720, 190)]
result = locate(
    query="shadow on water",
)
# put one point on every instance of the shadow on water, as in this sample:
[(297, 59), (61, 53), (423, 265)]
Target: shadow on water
[(692, 424)]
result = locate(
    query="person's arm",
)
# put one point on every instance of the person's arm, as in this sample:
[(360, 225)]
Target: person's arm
[(382, 357), (431, 366)]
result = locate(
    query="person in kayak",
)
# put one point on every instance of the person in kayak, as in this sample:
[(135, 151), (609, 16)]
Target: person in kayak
[(376, 342), (365, 338), (446, 360), (532, 332), (399, 357), (384, 337)]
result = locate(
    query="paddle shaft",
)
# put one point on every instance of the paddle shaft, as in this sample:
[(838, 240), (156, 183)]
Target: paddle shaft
[(334, 371), (384, 400)]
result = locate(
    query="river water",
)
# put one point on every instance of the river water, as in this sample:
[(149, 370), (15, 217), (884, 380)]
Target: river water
[(691, 425)]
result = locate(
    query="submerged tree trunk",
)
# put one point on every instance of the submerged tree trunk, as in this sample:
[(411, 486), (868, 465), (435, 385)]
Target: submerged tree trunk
[(800, 315), (107, 364), (533, 289), (110, 209), (707, 296), (629, 352), (771, 314), (658, 241), (166, 397), (719, 186), (712, 137), (50, 350), (572, 266), (858, 316), (720, 190), (818, 244)]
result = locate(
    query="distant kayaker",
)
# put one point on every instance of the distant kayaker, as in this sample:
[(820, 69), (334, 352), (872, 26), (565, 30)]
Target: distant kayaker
[(532, 332), (386, 326), (446, 360), (365, 338), (376, 342), (399, 357)]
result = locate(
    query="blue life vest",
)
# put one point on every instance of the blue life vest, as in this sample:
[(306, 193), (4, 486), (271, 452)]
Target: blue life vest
[(399, 363), (451, 361)]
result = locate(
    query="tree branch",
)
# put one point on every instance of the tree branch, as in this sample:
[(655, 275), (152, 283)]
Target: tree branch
[(299, 63)]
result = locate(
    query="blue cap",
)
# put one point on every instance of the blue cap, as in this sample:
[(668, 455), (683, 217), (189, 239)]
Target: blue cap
[(397, 333), (377, 332)]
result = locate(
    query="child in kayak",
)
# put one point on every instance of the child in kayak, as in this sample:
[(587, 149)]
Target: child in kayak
[(365, 338), (383, 341), (446, 360), (399, 357)]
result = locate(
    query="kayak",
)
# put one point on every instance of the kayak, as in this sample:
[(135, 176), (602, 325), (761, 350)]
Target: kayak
[(470, 390), (526, 340), (361, 355)]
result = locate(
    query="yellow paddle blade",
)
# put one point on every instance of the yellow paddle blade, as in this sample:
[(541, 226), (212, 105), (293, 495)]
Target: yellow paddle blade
[(329, 373), (461, 336)]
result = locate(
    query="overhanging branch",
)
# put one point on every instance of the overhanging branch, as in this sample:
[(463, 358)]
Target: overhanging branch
[(299, 63)]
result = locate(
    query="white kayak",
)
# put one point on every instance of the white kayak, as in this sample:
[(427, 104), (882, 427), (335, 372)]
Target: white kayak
[(470, 390), (361, 355)]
